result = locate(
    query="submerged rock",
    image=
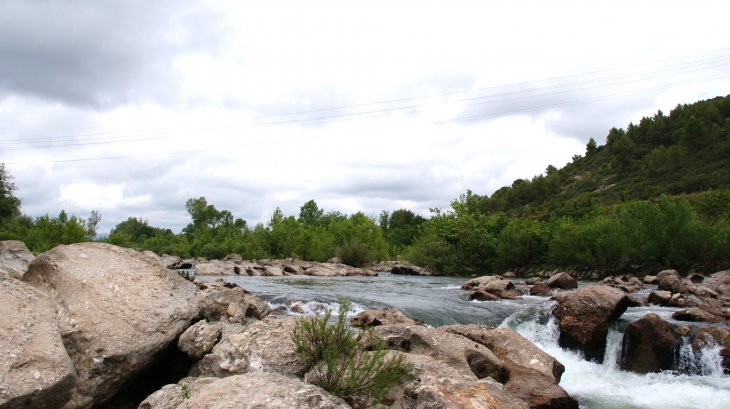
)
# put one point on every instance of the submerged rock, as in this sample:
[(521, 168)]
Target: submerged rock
[(116, 310), (584, 316), (35, 370)]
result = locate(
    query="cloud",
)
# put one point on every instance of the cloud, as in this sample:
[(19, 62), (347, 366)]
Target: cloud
[(100, 54)]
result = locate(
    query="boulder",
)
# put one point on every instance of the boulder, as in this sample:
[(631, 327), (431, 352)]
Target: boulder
[(251, 390), (659, 297), (383, 316), (502, 288), (696, 315), (536, 389), (217, 268), (669, 280), (334, 260), (479, 282), (454, 350), (35, 370), (15, 258), (435, 384), (541, 289), (719, 283), (533, 280), (171, 262), (273, 271), (509, 274), (198, 340), (507, 344), (651, 344), (651, 280), (222, 301), (584, 316), (409, 270), (264, 346), (563, 281), (116, 310)]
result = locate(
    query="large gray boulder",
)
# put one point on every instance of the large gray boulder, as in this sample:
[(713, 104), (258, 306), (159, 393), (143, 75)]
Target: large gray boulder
[(454, 350), (116, 310), (409, 270), (264, 346), (253, 391), (584, 316), (15, 258), (35, 370), (479, 282), (533, 374), (507, 344), (437, 385)]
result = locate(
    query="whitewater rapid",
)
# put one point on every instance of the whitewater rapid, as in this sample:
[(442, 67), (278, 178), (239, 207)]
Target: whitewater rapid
[(440, 301)]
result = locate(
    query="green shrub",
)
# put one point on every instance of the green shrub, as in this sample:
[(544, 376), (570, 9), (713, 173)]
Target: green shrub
[(337, 363), (355, 253)]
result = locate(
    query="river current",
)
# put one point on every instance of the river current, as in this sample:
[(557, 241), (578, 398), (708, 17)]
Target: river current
[(440, 301)]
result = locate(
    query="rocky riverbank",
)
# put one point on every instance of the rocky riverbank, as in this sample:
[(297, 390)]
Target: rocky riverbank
[(94, 325)]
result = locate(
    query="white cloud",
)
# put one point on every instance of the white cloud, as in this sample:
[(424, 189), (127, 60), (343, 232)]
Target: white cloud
[(217, 82)]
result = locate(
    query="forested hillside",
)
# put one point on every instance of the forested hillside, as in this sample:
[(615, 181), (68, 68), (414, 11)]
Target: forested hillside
[(683, 153)]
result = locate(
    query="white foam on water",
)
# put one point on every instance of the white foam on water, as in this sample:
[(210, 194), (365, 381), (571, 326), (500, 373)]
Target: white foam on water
[(310, 308), (604, 386)]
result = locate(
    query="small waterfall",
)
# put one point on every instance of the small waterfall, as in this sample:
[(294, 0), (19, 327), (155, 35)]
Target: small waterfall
[(705, 361), (612, 356)]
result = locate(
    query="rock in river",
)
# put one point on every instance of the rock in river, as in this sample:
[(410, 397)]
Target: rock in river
[(584, 315)]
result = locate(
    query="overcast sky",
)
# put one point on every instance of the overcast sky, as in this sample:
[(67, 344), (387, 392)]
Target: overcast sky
[(133, 107)]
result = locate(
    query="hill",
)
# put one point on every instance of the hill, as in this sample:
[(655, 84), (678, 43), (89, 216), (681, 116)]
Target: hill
[(685, 153)]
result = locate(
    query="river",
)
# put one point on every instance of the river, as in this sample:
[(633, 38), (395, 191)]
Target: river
[(440, 301)]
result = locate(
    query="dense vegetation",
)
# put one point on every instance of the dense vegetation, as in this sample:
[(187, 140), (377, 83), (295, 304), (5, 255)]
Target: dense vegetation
[(654, 196)]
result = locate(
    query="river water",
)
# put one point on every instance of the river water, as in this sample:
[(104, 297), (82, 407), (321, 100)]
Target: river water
[(440, 301)]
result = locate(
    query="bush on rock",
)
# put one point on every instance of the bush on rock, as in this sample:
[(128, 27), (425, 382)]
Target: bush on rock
[(338, 365)]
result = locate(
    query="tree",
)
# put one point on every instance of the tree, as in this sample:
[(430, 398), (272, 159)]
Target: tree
[(93, 223), (591, 147), (310, 213), (9, 204)]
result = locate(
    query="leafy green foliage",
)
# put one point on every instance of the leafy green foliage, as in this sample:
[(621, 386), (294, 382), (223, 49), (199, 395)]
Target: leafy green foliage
[(337, 363), (45, 233), (9, 204)]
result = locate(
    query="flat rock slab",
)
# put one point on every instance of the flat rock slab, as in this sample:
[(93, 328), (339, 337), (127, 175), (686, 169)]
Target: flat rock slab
[(116, 310), (35, 370), (247, 391)]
